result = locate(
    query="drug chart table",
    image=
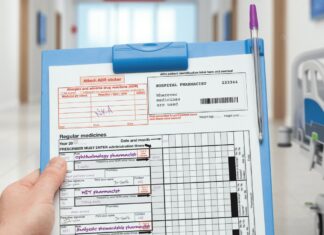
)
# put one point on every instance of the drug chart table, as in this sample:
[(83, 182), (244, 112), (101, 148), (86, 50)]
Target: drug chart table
[(179, 184)]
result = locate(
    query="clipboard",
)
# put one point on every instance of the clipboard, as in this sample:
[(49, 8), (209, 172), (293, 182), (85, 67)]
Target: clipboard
[(157, 57)]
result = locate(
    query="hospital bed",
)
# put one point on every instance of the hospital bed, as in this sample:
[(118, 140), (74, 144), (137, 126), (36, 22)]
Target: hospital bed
[(308, 118)]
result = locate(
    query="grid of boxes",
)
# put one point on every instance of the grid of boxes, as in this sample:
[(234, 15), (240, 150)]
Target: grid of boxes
[(200, 183)]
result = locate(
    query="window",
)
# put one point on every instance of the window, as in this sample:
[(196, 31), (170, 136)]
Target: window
[(106, 24)]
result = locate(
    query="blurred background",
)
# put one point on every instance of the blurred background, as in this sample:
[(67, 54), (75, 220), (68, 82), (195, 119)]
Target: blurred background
[(27, 27)]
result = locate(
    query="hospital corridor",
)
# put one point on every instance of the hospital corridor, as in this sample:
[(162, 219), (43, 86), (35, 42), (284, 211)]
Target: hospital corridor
[(123, 89)]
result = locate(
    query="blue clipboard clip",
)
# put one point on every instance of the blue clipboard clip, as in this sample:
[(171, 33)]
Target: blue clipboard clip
[(150, 57)]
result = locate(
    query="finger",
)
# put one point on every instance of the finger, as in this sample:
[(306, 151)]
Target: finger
[(30, 180), (50, 180)]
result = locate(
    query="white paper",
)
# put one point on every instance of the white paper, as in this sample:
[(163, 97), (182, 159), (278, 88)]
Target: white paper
[(162, 153)]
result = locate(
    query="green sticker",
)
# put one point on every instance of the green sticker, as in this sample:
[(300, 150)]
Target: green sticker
[(314, 136)]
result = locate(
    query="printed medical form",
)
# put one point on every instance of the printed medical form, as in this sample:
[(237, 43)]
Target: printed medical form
[(157, 153)]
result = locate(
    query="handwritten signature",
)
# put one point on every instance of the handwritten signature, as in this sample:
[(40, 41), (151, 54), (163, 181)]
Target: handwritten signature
[(103, 112)]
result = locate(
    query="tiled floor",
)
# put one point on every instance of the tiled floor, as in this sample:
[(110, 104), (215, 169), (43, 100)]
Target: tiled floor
[(19, 136), (293, 183)]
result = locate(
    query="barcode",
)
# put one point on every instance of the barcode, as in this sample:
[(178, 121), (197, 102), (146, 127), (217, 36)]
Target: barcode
[(219, 100)]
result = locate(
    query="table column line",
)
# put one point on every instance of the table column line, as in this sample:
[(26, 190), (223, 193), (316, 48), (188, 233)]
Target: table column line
[(135, 105), (164, 197), (91, 111)]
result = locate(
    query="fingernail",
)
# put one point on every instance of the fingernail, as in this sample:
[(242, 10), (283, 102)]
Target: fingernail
[(58, 162)]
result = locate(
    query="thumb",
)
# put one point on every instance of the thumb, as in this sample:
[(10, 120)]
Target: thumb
[(50, 180)]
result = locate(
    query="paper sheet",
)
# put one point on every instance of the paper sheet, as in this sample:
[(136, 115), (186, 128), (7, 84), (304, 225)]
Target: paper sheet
[(160, 153)]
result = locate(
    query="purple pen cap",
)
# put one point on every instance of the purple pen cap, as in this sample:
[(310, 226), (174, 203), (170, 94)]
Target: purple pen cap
[(253, 17)]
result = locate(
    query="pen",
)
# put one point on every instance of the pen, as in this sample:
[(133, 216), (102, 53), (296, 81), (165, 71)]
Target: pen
[(254, 26)]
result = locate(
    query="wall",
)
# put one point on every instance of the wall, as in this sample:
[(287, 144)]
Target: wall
[(265, 15), (205, 30), (69, 40), (9, 53), (303, 34), (49, 8)]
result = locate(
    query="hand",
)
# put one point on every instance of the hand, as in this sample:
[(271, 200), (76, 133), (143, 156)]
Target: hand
[(26, 206)]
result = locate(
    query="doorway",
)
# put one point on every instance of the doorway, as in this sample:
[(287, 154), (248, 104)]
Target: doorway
[(23, 51), (279, 66), (58, 31)]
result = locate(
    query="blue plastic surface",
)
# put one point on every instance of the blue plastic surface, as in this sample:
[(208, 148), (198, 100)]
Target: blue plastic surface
[(41, 28), (248, 45), (317, 9), (314, 119), (313, 112), (104, 55), (150, 57)]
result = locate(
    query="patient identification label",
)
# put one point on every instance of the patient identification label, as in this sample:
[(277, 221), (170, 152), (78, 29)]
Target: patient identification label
[(202, 93)]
